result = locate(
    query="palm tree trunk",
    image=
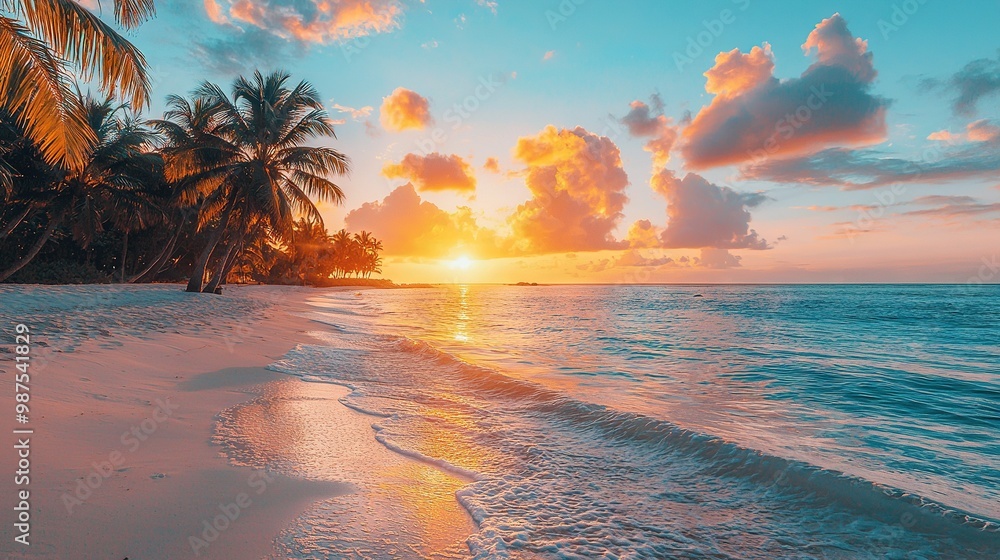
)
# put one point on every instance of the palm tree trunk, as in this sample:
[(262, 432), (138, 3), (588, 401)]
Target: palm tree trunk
[(154, 267), (220, 269), (198, 274), (7, 229), (124, 255), (227, 262), (32, 253)]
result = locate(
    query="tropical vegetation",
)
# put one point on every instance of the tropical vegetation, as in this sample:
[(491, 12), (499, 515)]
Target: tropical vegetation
[(224, 186)]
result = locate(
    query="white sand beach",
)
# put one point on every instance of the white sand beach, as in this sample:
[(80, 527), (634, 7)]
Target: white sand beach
[(127, 385)]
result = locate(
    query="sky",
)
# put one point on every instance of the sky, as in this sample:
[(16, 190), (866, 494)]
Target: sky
[(657, 141)]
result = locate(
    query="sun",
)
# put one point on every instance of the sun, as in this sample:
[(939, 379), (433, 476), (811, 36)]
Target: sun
[(461, 263)]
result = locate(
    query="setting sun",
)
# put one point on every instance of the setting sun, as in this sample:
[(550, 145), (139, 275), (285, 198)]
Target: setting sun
[(461, 263)]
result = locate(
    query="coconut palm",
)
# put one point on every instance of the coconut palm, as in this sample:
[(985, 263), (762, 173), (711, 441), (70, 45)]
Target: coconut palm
[(113, 188), (263, 171), (43, 42)]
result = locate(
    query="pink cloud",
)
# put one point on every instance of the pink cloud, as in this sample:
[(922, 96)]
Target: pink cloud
[(310, 21), (755, 116), (433, 172), (703, 215), (642, 122)]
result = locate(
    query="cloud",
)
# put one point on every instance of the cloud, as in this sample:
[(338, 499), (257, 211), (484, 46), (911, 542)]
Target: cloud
[(704, 215), (214, 11), (492, 165), (356, 114), (491, 5), (404, 109), (409, 226), (868, 169), (548, 55), (643, 234), (977, 131), (717, 258), (641, 122), (433, 172), (232, 50), (309, 21), (635, 258), (754, 115), (949, 207), (578, 192), (976, 80)]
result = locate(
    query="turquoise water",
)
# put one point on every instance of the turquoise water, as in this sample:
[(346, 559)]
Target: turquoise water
[(646, 422)]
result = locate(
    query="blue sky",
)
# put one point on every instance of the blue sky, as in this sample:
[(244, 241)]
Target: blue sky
[(601, 57)]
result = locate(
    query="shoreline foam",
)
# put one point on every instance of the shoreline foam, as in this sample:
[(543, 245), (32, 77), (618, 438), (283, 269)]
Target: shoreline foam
[(106, 356)]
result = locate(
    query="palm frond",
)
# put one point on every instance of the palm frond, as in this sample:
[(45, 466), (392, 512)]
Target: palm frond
[(33, 88), (79, 36)]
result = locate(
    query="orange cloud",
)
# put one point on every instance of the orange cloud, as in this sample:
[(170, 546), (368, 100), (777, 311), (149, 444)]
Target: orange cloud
[(977, 131), (409, 226), (735, 72), (312, 21), (578, 188), (704, 215), (433, 172), (492, 165), (642, 123), (214, 12), (643, 234), (754, 116), (404, 109)]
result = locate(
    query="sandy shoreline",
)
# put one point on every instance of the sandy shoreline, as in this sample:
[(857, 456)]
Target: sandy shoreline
[(122, 463)]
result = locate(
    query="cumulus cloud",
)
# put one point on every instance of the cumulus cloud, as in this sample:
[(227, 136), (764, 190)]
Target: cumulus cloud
[(704, 215), (754, 115), (578, 192), (643, 121), (492, 165), (409, 226), (309, 21), (404, 109), (643, 234), (433, 172)]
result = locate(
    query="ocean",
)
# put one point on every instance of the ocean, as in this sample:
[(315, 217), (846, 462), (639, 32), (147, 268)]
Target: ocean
[(750, 422)]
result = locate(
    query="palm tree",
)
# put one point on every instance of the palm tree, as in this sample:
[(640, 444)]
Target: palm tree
[(192, 149), (114, 187), (41, 43), (264, 170)]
